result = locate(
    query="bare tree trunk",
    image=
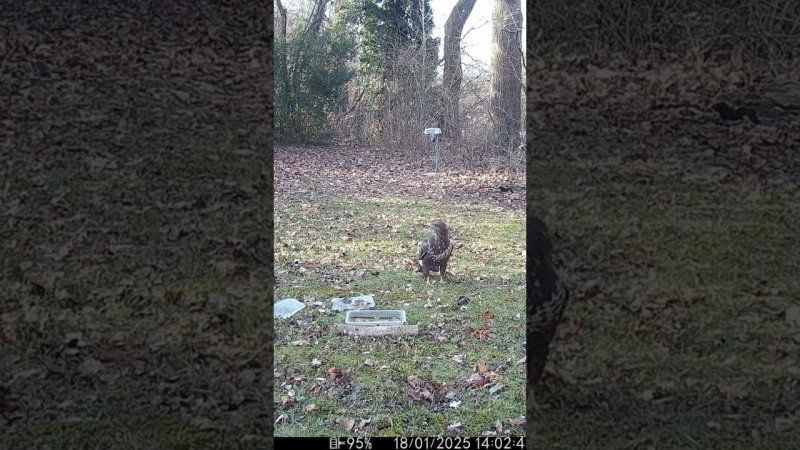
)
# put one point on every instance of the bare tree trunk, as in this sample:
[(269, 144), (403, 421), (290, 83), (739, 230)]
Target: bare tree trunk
[(281, 31), (280, 50), (506, 102), (317, 16), (451, 76)]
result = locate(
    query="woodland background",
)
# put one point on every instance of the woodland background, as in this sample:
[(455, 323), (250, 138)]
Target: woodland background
[(136, 222), (357, 82), (675, 226)]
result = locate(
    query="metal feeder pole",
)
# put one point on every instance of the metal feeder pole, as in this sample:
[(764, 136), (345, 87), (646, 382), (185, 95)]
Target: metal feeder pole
[(435, 134)]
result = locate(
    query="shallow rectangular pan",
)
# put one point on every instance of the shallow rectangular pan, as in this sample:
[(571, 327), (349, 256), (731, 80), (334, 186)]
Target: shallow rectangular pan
[(372, 318)]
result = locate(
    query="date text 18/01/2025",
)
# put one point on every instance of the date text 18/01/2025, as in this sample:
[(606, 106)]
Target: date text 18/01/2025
[(411, 443), (456, 443), (438, 443)]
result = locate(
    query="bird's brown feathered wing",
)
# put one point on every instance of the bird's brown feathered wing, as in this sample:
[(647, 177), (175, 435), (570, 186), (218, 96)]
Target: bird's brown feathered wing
[(435, 251), (547, 298)]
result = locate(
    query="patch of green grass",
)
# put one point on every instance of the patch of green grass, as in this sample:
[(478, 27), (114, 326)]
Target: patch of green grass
[(363, 248), (112, 428), (684, 345), (161, 328)]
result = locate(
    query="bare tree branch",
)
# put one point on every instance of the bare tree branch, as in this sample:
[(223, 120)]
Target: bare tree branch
[(282, 21), (317, 16), (506, 98), (452, 74)]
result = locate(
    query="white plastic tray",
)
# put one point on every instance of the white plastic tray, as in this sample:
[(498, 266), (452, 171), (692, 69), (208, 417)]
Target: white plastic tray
[(374, 318), (287, 308)]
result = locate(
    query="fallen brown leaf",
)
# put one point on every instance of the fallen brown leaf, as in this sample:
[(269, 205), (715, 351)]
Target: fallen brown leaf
[(482, 334)]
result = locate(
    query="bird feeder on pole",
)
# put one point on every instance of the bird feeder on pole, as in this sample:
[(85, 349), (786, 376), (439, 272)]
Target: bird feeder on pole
[(435, 134)]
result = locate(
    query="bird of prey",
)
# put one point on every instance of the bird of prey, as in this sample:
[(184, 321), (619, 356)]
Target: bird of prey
[(547, 297), (435, 251)]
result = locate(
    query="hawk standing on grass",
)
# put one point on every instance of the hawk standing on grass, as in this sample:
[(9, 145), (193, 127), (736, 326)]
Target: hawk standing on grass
[(547, 298), (435, 251)]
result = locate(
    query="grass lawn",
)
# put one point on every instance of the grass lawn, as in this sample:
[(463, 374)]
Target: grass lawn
[(351, 242), (134, 293), (677, 336)]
